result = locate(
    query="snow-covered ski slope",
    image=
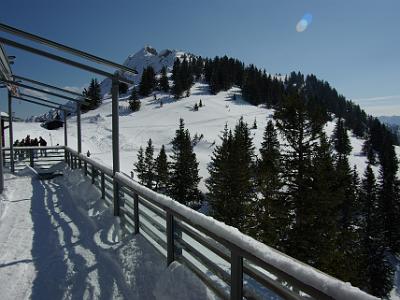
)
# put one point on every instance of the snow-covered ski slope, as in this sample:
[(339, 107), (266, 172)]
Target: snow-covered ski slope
[(159, 124), (59, 241)]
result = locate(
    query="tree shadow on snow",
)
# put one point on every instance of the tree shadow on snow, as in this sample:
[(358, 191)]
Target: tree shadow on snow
[(71, 264)]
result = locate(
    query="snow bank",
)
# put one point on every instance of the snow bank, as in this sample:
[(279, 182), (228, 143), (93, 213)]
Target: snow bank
[(329, 285)]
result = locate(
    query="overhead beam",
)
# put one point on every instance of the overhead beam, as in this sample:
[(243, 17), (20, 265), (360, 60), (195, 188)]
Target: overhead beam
[(49, 86), (62, 107), (5, 69), (64, 48), (38, 103), (42, 91), (61, 59)]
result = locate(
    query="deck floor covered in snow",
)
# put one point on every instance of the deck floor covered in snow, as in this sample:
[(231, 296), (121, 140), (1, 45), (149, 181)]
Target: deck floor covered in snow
[(59, 241)]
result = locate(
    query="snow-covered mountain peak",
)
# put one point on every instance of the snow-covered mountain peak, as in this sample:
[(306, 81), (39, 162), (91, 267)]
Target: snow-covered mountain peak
[(146, 57)]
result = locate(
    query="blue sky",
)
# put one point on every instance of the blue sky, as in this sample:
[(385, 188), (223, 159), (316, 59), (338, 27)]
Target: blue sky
[(355, 45)]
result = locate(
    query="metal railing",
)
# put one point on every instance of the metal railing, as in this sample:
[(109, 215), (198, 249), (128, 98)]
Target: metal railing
[(40, 157), (206, 247)]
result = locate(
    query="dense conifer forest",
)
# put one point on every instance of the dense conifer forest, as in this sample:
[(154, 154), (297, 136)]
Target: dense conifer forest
[(300, 196)]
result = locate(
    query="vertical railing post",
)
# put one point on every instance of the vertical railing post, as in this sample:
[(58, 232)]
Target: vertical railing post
[(31, 158), (170, 238), (85, 167), (79, 129), (65, 135), (66, 157), (103, 186), (93, 174), (10, 130), (1, 158), (136, 212), (236, 276), (115, 141)]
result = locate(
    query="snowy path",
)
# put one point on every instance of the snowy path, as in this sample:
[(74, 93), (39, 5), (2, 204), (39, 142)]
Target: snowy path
[(53, 247)]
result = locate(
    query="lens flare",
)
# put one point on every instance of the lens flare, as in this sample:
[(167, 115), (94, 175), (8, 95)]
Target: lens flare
[(303, 24)]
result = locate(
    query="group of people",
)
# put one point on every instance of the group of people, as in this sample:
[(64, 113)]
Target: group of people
[(29, 142)]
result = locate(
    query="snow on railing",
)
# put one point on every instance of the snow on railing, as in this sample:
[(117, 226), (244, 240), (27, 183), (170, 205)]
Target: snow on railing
[(223, 257)]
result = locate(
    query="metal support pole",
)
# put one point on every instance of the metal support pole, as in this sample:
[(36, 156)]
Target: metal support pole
[(11, 133), (1, 159), (78, 125), (170, 238), (115, 141), (65, 136), (65, 129), (236, 276)]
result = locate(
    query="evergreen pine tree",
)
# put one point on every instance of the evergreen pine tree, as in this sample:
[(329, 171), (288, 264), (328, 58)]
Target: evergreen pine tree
[(162, 171), (219, 183), (140, 167), (178, 86), (243, 175), (134, 102), (300, 134), (273, 221), (322, 211), (254, 124), (93, 92), (389, 198), (184, 169), (347, 267), (231, 183), (164, 84), (148, 82), (149, 174), (341, 139), (376, 271)]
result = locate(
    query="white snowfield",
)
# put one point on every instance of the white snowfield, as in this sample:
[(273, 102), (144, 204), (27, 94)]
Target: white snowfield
[(160, 124), (59, 241)]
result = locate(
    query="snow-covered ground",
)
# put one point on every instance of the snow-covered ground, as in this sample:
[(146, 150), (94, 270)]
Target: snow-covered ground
[(160, 123), (58, 244)]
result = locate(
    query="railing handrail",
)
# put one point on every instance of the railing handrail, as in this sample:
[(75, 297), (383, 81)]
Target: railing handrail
[(35, 148), (312, 281), (315, 279), (98, 165)]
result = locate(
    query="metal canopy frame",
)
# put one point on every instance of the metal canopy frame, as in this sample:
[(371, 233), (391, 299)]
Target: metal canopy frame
[(60, 59), (116, 79), (46, 85), (42, 104), (61, 47), (29, 87), (5, 69), (58, 105)]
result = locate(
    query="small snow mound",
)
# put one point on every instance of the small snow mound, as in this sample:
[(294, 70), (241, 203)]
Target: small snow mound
[(178, 283)]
